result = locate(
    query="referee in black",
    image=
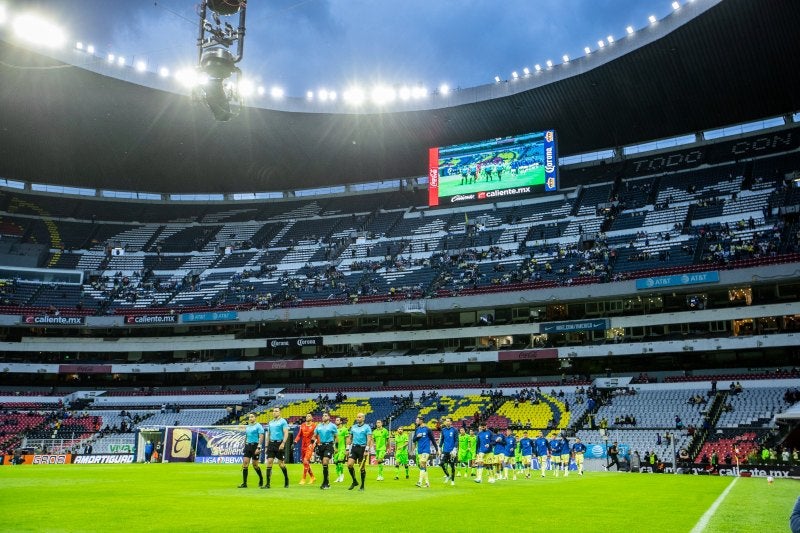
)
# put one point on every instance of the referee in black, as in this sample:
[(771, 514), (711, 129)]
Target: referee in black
[(253, 441)]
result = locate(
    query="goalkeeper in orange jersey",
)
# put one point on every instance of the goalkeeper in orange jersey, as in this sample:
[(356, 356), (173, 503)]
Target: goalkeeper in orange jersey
[(305, 436)]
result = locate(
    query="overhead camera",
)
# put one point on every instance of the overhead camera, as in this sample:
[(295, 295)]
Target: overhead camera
[(216, 58)]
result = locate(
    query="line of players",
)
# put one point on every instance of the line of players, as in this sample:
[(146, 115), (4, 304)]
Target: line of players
[(461, 452)]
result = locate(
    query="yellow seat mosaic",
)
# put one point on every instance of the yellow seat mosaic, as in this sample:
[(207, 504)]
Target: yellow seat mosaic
[(349, 408), (291, 410), (456, 407)]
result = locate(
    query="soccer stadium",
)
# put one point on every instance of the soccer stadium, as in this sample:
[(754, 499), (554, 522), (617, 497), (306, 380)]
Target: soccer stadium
[(570, 297)]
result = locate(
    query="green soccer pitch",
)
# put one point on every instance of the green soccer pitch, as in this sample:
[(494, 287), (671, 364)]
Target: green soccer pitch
[(451, 185), (193, 498)]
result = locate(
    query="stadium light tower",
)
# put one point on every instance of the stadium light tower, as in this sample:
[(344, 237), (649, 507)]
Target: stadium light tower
[(215, 44)]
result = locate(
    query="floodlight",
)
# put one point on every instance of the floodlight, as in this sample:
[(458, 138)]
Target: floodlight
[(276, 92), (497, 79), (629, 29), (323, 95), (310, 95), (565, 58), (610, 39), (332, 95), (538, 67), (587, 50), (676, 6), (515, 74), (444, 89), (652, 19), (121, 61), (601, 44), (141, 66), (354, 96), (90, 49), (526, 71), (111, 58), (549, 63), (163, 72), (419, 92), (404, 93), (79, 45), (38, 31), (261, 90)]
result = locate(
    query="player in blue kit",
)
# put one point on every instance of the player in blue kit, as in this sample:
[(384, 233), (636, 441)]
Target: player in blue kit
[(542, 448), (253, 441), (526, 451), (511, 452), (555, 455), (579, 449), (360, 441), (499, 450), (483, 452), (565, 454), (448, 443), (278, 430), (423, 438), (325, 442)]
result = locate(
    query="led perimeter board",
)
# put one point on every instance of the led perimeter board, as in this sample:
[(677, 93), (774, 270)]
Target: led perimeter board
[(493, 169)]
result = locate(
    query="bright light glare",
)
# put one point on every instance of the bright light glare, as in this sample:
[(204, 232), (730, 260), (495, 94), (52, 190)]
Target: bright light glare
[(587, 50), (538, 67), (526, 71), (310, 95), (261, 90), (323, 95), (90, 49), (187, 77), (444, 89), (354, 96), (332, 95), (676, 6), (111, 58), (652, 19), (141, 66), (549, 63), (629, 29), (79, 45), (121, 61), (382, 94), (497, 79), (565, 58), (246, 88), (404, 93), (3, 15), (163, 72), (276, 92), (601, 44), (39, 31), (610, 39)]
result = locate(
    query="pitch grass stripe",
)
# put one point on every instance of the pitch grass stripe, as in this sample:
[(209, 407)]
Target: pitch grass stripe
[(708, 515)]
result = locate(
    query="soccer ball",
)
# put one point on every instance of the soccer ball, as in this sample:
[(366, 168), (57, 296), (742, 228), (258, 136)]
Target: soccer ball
[(770, 479)]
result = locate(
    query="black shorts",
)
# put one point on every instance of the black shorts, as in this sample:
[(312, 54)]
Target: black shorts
[(251, 450), (325, 449), (357, 453), (274, 450)]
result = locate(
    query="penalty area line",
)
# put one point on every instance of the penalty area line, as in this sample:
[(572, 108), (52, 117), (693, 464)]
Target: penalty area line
[(709, 514)]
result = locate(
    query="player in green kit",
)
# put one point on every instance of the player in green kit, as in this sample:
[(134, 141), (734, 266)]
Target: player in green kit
[(380, 435), (466, 451), (400, 452), (340, 457), (473, 445)]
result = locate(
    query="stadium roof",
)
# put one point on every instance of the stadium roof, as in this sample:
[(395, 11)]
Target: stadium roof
[(735, 62)]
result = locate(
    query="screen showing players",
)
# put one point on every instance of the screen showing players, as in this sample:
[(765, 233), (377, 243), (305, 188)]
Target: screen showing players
[(494, 169)]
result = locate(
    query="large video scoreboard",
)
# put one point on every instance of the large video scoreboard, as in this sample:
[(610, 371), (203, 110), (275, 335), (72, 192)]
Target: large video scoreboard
[(494, 169)]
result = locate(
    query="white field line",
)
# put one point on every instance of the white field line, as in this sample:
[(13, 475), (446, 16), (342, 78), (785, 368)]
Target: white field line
[(709, 514)]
